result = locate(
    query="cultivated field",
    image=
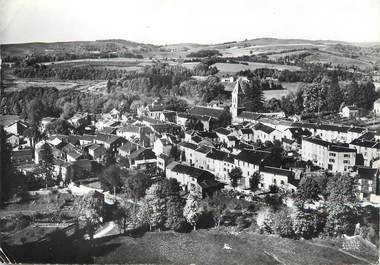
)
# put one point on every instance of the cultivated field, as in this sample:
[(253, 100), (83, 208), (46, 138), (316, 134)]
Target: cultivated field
[(236, 51), (233, 68), (81, 85)]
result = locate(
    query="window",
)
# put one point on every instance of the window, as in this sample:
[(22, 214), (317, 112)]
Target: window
[(346, 155), (332, 160), (346, 161), (332, 154)]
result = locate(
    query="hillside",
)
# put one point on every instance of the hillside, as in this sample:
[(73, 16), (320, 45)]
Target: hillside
[(361, 55), (207, 247)]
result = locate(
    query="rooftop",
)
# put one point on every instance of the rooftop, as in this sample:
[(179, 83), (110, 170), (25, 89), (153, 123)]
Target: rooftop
[(367, 172), (264, 128), (248, 115), (188, 145), (205, 111), (194, 172), (252, 156), (277, 171), (222, 130)]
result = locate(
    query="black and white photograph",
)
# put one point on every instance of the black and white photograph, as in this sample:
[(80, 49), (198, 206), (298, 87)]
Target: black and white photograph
[(203, 132)]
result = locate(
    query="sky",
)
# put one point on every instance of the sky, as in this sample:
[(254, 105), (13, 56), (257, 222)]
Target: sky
[(188, 21)]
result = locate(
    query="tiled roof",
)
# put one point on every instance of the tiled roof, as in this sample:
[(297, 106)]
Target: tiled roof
[(129, 128), (246, 131), (107, 138), (143, 154), (264, 128), (367, 172), (205, 134), (128, 147), (248, 115), (191, 171), (204, 111), (252, 156), (108, 130), (298, 132), (331, 146), (370, 136), (366, 143), (221, 156), (196, 138), (203, 149), (277, 171), (188, 145), (222, 130)]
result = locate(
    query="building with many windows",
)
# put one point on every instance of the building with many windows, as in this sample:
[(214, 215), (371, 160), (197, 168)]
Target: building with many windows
[(327, 155)]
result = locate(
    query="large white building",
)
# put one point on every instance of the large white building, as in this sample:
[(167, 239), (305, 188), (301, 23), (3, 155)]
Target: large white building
[(327, 155), (367, 146)]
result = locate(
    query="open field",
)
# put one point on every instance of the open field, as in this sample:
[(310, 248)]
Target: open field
[(237, 51), (288, 88), (129, 64), (335, 60), (206, 247), (81, 85), (268, 94), (233, 68)]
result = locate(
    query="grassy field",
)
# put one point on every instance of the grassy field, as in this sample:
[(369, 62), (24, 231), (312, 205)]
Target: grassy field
[(207, 247), (233, 68), (288, 88), (82, 85), (236, 51)]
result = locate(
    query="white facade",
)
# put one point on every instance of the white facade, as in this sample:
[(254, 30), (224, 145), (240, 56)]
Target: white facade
[(327, 155), (376, 107)]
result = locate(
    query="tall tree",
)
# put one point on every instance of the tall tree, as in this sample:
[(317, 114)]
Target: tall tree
[(192, 211), (254, 96), (334, 97), (163, 206), (136, 186), (68, 110), (254, 181), (235, 175), (7, 170), (110, 179), (308, 190), (35, 111), (341, 205)]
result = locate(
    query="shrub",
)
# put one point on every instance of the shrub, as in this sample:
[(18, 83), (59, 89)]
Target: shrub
[(283, 223), (305, 225), (265, 221)]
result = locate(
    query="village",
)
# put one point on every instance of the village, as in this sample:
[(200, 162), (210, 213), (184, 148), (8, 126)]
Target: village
[(177, 132), (218, 148), (200, 147)]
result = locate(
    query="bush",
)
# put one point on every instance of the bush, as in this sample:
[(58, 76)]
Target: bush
[(305, 225), (242, 223), (265, 221), (283, 224)]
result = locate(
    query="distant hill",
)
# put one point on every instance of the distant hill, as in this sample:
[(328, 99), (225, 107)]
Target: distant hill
[(362, 55)]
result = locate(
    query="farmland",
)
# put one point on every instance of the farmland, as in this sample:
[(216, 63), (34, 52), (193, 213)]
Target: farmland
[(234, 68), (81, 85)]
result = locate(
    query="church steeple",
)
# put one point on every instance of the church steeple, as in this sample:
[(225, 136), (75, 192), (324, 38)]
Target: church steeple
[(237, 97)]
